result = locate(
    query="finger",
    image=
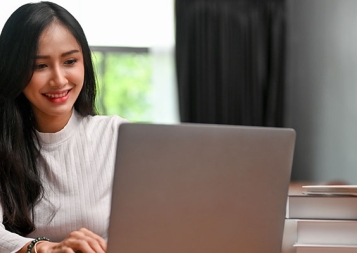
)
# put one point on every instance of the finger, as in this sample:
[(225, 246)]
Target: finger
[(99, 239), (85, 241), (88, 244), (84, 246)]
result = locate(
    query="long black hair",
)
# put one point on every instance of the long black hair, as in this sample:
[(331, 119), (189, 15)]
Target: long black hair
[(20, 185)]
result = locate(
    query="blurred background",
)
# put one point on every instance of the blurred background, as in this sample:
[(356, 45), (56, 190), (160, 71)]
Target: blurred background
[(280, 63)]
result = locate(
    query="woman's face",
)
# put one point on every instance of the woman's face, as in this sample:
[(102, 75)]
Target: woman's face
[(57, 79)]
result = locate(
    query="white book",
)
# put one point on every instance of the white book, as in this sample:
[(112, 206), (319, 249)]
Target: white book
[(320, 248), (321, 207), (335, 232), (331, 189)]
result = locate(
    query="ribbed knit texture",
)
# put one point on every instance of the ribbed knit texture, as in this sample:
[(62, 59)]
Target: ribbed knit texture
[(77, 166)]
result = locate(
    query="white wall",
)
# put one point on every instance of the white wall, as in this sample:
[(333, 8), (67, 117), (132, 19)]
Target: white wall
[(322, 88), (139, 23), (8, 7)]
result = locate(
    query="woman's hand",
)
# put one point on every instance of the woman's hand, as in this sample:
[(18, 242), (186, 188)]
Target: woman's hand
[(81, 241)]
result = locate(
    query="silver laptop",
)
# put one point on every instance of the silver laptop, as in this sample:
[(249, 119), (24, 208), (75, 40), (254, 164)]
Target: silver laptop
[(197, 188)]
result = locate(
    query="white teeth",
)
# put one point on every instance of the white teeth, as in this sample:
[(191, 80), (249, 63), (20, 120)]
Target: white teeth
[(57, 95)]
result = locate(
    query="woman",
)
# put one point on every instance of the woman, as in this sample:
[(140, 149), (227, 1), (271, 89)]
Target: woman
[(56, 157)]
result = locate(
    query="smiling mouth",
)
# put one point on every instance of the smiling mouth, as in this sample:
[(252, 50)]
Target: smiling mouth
[(57, 95)]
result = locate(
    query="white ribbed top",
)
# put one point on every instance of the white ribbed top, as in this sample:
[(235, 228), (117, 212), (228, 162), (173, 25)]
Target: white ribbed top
[(77, 169)]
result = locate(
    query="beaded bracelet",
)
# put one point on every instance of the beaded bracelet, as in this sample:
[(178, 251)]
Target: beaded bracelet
[(33, 243)]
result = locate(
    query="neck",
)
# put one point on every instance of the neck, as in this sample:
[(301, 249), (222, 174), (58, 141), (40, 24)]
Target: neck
[(52, 124)]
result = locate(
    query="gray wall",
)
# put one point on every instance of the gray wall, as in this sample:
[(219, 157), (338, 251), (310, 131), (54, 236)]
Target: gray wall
[(322, 88)]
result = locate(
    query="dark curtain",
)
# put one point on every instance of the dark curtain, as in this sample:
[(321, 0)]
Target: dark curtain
[(230, 61)]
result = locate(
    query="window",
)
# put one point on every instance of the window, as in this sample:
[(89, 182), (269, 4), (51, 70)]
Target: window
[(124, 76)]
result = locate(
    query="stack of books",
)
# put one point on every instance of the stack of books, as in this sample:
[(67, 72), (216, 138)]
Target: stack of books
[(326, 218)]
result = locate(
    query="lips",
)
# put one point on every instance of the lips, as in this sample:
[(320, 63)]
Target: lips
[(57, 94)]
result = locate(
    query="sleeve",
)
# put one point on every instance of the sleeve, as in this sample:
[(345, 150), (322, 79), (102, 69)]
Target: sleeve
[(10, 242)]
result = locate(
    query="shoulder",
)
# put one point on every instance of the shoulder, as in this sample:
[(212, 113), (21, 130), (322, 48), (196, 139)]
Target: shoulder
[(103, 119), (101, 123)]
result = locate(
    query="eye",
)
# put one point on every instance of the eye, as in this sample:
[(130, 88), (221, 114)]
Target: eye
[(40, 66), (70, 62)]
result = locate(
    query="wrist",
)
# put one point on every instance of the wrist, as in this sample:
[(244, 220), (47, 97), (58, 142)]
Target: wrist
[(42, 247), (31, 248)]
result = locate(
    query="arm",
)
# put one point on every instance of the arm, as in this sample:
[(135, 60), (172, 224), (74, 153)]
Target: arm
[(82, 240), (10, 242), (24, 248)]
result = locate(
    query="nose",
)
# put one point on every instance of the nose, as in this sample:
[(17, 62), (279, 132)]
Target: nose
[(58, 78)]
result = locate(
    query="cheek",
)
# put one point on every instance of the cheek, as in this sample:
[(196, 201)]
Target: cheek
[(77, 76), (30, 89), (37, 81), (31, 94)]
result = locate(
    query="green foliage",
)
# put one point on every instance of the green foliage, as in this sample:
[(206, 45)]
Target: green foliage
[(124, 84)]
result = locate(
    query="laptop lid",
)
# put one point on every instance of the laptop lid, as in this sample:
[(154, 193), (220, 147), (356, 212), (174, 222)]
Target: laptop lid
[(200, 188)]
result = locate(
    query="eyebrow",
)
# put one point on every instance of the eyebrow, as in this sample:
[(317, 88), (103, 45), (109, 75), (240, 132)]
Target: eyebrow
[(62, 55)]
